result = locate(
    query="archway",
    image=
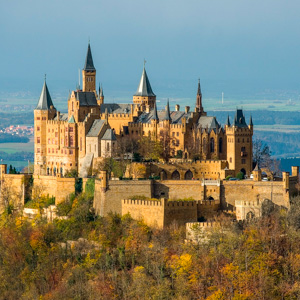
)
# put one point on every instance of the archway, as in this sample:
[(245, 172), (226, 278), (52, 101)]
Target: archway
[(188, 175), (210, 198), (175, 175), (163, 175), (243, 171), (250, 215)]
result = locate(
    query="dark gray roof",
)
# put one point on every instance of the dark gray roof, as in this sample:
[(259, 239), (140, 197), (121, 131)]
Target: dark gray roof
[(155, 115), (228, 121), (89, 64), (199, 88), (175, 116), (86, 98), (62, 117), (144, 88), (251, 122), (45, 100), (109, 135), (208, 122), (114, 108), (167, 116), (95, 128), (239, 119)]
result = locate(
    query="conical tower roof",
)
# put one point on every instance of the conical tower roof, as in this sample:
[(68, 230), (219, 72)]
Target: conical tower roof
[(155, 115), (199, 88), (144, 88), (45, 101), (101, 91), (89, 64), (228, 121), (167, 116), (251, 122)]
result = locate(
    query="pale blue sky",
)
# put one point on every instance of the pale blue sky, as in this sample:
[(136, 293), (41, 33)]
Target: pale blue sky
[(235, 46)]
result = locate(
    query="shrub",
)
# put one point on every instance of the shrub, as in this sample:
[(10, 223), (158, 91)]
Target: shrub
[(240, 175)]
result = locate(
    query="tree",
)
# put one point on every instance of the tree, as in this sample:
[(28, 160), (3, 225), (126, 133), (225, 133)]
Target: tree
[(262, 156)]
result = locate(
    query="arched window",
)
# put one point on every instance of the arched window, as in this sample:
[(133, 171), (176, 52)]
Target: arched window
[(220, 145), (212, 145), (188, 175), (175, 175), (107, 147)]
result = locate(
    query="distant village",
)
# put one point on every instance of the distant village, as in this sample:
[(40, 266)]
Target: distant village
[(19, 130)]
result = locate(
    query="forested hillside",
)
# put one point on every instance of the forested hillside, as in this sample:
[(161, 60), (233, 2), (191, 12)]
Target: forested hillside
[(120, 258)]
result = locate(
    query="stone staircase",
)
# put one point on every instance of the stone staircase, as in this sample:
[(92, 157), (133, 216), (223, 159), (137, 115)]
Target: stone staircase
[(86, 163)]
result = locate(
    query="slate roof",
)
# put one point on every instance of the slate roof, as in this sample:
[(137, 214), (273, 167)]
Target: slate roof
[(95, 128), (86, 98), (109, 135), (45, 100), (167, 116), (71, 120), (144, 88), (210, 123), (239, 119), (176, 116), (89, 64), (62, 117), (115, 108)]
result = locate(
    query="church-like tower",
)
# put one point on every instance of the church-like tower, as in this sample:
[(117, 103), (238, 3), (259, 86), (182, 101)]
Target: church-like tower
[(89, 73), (144, 94), (43, 112)]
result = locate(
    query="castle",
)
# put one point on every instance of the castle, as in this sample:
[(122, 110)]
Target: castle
[(189, 187), (92, 129)]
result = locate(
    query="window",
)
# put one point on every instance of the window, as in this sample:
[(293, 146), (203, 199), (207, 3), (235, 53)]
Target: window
[(80, 144), (71, 152), (38, 140), (38, 150), (38, 128), (243, 161), (212, 145), (243, 149), (177, 134), (220, 145), (44, 118), (230, 159), (38, 118), (71, 141), (173, 133), (49, 141), (52, 150), (56, 134), (107, 147), (71, 129)]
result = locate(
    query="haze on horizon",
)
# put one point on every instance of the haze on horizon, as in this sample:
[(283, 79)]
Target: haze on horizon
[(237, 47)]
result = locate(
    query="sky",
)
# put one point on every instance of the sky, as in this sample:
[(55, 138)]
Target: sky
[(239, 47)]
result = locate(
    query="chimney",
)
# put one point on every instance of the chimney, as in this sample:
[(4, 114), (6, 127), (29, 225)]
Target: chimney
[(187, 109), (177, 107)]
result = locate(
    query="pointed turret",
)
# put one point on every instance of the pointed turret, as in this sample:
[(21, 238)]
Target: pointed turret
[(144, 94), (101, 91), (89, 73), (45, 101), (144, 89), (89, 64), (155, 115), (228, 121), (167, 116), (199, 107), (250, 122)]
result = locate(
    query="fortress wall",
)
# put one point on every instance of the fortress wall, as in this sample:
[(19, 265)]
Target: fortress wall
[(13, 188), (53, 186), (64, 187), (150, 211), (251, 190), (178, 189), (46, 185), (180, 212), (117, 190), (207, 209)]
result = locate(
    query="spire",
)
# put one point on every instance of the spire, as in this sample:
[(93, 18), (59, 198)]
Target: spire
[(251, 123), (167, 116), (199, 107), (228, 121), (89, 65), (101, 92), (45, 101), (256, 167), (144, 88), (155, 115), (199, 88)]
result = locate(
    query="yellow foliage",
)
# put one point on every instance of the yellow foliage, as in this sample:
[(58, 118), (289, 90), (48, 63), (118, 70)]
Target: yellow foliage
[(181, 265)]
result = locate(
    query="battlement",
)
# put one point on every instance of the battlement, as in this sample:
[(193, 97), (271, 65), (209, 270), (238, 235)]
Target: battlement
[(192, 225), (144, 202), (247, 203)]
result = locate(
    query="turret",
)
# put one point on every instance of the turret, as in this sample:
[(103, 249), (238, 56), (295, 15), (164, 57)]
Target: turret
[(199, 107), (43, 112), (144, 94), (101, 95), (89, 73)]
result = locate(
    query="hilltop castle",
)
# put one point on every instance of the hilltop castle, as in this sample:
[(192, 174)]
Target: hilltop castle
[(92, 128)]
